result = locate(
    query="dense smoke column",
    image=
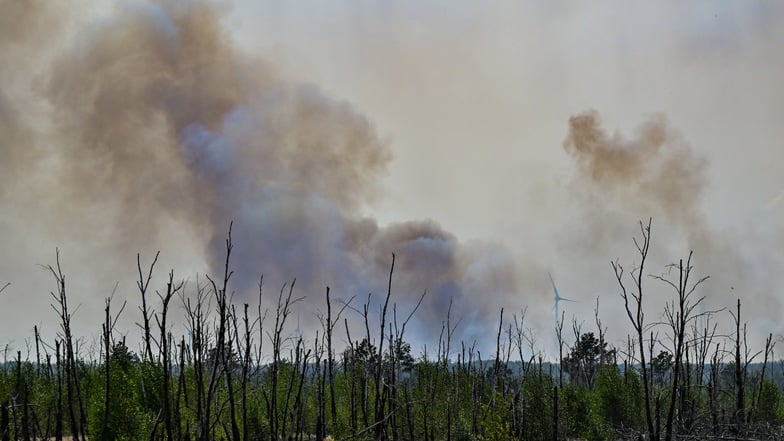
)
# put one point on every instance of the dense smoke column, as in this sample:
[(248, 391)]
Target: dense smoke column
[(154, 121)]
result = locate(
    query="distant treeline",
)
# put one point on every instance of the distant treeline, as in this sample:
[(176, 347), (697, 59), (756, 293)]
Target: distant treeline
[(236, 374)]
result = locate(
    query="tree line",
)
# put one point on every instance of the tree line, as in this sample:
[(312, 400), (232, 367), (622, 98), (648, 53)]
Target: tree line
[(237, 374)]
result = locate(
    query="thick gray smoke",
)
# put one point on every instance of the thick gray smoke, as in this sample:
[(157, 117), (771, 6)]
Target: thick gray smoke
[(155, 119)]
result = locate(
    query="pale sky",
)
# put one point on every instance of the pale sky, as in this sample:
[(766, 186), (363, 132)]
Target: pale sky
[(473, 101)]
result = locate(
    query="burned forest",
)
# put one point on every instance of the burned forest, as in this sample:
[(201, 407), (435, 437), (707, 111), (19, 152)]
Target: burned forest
[(239, 372)]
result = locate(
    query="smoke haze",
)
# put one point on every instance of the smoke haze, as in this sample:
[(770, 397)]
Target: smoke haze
[(150, 126), (657, 173), (157, 122)]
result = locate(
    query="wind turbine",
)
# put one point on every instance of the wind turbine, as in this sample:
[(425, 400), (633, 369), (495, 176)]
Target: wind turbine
[(557, 298)]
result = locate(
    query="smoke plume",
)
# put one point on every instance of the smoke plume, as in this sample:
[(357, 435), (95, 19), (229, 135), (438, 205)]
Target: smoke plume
[(146, 127), (157, 123), (655, 173)]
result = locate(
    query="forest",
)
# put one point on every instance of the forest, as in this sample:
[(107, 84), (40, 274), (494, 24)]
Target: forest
[(236, 372)]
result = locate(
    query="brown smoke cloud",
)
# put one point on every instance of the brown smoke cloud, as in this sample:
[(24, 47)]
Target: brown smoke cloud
[(23, 30), (156, 122), (655, 173)]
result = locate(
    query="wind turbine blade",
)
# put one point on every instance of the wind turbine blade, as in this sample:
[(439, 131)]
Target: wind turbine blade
[(558, 297), (552, 282)]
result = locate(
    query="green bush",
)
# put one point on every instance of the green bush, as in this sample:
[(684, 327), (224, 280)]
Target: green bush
[(126, 419), (769, 404)]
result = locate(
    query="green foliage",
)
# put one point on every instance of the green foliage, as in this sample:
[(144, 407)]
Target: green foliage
[(610, 395), (538, 395), (126, 418), (149, 381), (661, 367), (585, 358), (576, 410), (769, 404), (441, 398), (494, 426)]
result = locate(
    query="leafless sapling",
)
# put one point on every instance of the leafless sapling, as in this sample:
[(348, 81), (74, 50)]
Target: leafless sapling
[(633, 298)]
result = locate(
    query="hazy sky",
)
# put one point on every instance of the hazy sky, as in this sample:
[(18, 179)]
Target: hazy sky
[(455, 115)]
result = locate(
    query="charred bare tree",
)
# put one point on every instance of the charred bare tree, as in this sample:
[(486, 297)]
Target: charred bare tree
[(108, 328), (768, 350), (294, 362), (165, 354), (381, 395), (227, 361), (182, 391), (350, 366), (37, 338), (196, 318), (740, 392), (246, 364), (559, 338), (282, 313), (678, 314), (216, 372), (497, 365), (142, 284), (58, 414), (520, 339), (21, 400), (320, 380), (368, 357), (330, 368), (396, 353), (713, 390), (298, 422), (77, 415), (633, 302)]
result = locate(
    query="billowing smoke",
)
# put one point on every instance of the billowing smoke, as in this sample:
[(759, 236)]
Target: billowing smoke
[(147, 128), (656, 173), (157, 122)]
